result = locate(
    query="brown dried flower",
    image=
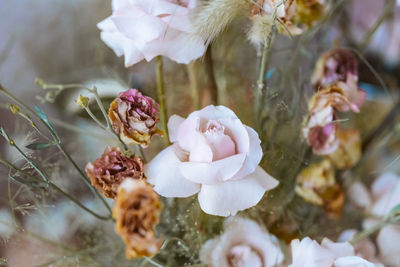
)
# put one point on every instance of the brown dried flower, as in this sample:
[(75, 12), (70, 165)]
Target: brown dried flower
[(107, 172), (134, 117), (349, 151), (317, 184), (136, 211)]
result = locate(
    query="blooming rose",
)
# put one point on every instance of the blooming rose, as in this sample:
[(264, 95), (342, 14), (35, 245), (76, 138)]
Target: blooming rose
[(213, 154), (144, 29), (134, 117), (379, 201), (136, 211), (243, 244), (107, 172), (308, 253)]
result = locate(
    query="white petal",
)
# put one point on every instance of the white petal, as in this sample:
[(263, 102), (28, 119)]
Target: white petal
[(173, 125), (388, 241), (212, 172), (163, 172), (359, 195), (229, 197), (352, 261)]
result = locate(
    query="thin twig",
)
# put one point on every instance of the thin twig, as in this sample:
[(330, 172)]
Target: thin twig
[(162, 98)]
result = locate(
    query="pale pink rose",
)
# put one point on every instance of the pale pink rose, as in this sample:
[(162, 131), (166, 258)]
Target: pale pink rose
[(308, 253), (243, 244), (364, 248), (141, 30), (363, 14), (383, 196), (213, 154)]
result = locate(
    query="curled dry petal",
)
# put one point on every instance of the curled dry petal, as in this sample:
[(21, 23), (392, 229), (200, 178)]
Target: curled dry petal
[(107, 172), (349, 151), (134, 117), (317, 184), (137, 211)]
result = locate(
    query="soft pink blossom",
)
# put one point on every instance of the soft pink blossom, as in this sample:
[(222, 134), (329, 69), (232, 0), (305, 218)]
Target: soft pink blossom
[(308, 253), (141, 30), (213, 154), (243, 244)]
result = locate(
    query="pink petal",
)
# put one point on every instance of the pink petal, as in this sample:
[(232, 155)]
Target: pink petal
[(359, 195), (222, 145), (160, 7), (163, 172), (201, 151), (384, 184), (213, 172), (188, 133), (253, 156), (229, 197), (388, 241), (212, 112), (384, 204), (120, 4), (308, 253), (174, 123), (339, 249), (352, 261)]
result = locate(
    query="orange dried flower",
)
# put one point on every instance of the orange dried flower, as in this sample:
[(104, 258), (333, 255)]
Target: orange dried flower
[(316, 184), (349, 151), (107, 172), (137, 211)]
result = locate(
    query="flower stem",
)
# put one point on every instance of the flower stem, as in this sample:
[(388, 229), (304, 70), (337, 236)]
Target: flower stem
[(364, 234), (161, 98), (209, 66), (194, 85), (260, 85)]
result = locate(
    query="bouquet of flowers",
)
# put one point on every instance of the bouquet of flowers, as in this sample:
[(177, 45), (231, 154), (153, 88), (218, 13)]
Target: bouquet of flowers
[(270, 138)]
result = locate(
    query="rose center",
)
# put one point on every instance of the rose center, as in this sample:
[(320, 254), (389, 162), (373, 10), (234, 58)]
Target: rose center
[(244, 256), (220, 143)]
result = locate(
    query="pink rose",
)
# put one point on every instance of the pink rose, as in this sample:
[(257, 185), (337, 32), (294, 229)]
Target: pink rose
[(308, 253), (145, 29), (213, 154), (243, 244)]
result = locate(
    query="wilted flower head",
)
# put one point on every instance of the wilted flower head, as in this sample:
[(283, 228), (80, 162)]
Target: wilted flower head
[(243, 244), (145, 29), (134, 117), (107, 172), (308, 253), (336, 72), (349, 151), (317, 184), (309, 11), (137, 211), (319, 127), (213, 154)]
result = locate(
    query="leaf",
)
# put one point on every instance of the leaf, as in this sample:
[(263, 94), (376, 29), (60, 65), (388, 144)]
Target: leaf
[(395, 211), (25, 182), (38, 146), (47, 122)]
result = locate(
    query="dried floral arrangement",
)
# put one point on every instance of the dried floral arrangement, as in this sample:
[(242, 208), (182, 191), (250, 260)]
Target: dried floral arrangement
[(284, 156)]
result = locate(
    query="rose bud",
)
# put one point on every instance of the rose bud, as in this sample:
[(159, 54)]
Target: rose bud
[(316, 184), (134, 117), (349, 151), (107, 172), (136, 211)]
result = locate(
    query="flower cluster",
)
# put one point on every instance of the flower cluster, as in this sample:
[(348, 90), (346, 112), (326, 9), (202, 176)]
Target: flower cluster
[(335, 78)]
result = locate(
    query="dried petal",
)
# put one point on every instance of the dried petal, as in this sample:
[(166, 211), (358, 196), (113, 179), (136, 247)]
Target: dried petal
[(137, 211), (349, 150), (134, 117), (107, 172)]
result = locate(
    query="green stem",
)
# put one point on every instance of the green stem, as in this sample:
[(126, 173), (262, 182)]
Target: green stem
[(209, 67), (161, 98), (364, 234), (259, 89), (194, 85)]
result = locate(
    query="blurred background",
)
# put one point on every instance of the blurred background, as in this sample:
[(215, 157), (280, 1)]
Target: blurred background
[(58, 41)]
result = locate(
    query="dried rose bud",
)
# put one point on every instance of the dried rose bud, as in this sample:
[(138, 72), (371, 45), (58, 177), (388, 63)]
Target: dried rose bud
[(336, 71), (316, 184), (349, 150), (108, 172), (134, 117), (309, 11), (137, 211), (319, 127)]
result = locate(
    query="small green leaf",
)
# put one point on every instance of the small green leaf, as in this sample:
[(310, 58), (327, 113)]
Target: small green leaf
[(47, 122), (25, 182), (38, 146), (395, 211)]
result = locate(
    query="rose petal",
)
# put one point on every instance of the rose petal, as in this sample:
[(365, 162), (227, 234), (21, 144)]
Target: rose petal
[(201, 151), (163, 172), (308, 253), (384, 184), (188, 133), (174, 123), (213, 172), (339, 249), (228, 198), (388, 243), (253, 156), (359, 195), (352, 261), (212, 112)]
